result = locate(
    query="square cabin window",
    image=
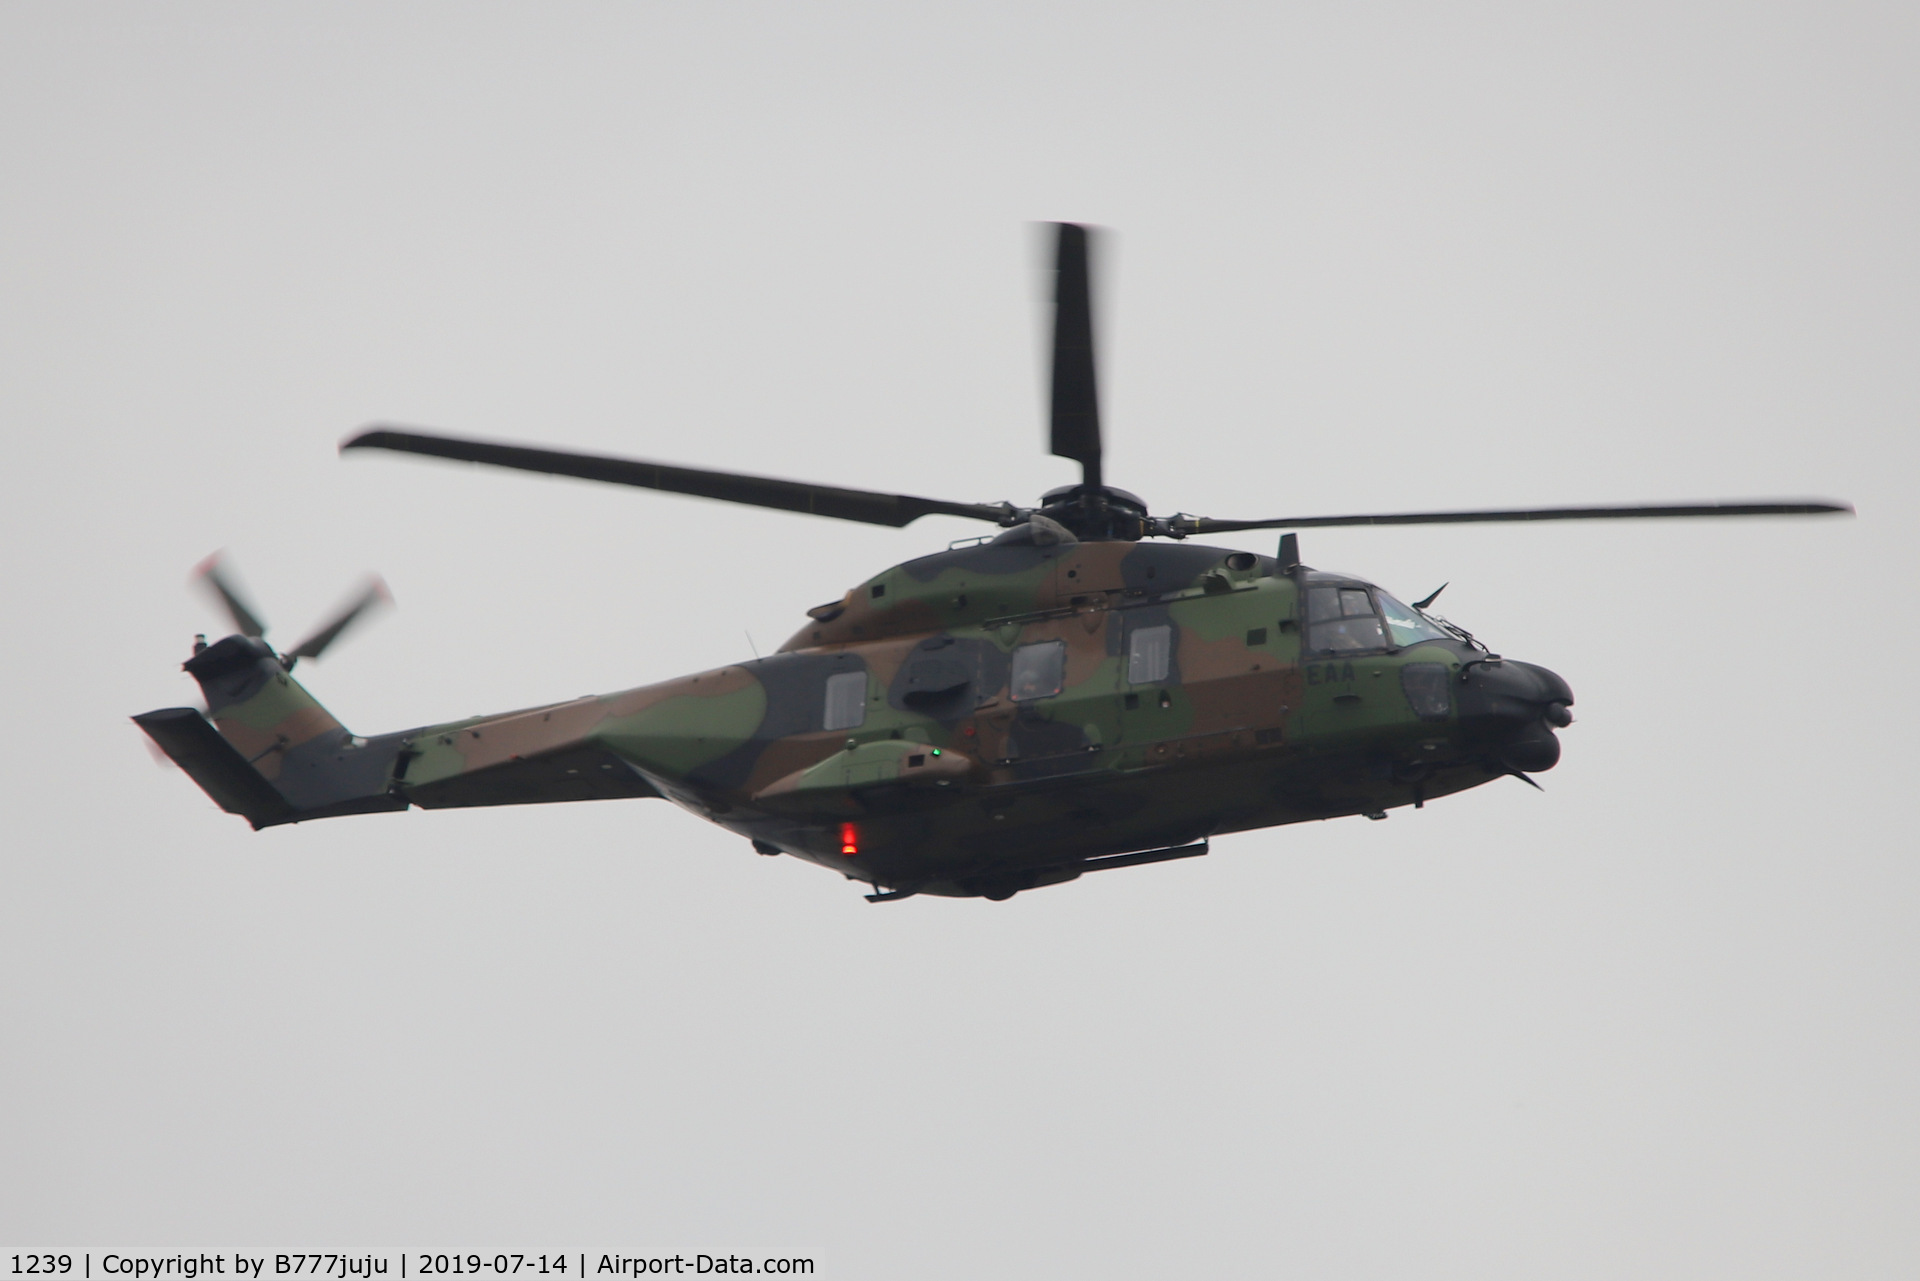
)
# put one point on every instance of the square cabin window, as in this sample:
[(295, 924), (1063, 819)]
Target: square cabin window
[(846, 700), (1039, 670), (1149, 655)]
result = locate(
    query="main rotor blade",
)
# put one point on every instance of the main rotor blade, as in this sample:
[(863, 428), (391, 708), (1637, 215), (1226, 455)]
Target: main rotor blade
[(1802, 507), (1076, 397), (732, 487), (208, 572), (313, 646)]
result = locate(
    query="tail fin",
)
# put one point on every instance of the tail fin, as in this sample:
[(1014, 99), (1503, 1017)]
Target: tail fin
[(271, 753)]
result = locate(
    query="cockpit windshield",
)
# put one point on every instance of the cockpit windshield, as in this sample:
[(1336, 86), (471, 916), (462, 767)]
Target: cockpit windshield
[(1405, 624), (1349, 618)]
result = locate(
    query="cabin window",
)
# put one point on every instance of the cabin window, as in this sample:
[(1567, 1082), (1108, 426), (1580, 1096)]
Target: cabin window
[(846, 700), (1039, 670), (1341, 620), (1149, 655)]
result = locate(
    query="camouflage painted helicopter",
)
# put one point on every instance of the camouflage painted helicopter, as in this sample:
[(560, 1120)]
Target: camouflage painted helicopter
[(1065, 697)]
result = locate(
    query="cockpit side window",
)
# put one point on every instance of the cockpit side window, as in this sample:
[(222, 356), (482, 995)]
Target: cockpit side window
[(1340, 620), (1407, 625)]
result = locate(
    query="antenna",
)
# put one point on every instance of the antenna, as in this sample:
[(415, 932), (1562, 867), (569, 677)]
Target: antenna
[(1289, 553)]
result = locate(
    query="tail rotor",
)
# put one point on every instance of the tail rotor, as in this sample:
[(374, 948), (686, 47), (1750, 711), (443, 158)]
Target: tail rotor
[(209, 575), (212, 575)]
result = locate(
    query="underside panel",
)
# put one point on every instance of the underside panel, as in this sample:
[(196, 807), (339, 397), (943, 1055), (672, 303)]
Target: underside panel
[(587, 773)]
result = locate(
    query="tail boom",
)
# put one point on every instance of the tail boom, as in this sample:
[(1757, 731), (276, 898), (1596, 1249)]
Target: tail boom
[(267, 750)]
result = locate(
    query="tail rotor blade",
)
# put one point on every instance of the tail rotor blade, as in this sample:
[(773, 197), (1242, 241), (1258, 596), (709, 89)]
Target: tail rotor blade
[(376, 593), (1076, 399), (209, 573)]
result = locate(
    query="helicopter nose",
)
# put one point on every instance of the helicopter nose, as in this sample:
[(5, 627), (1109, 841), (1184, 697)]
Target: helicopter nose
[(1514, 708)]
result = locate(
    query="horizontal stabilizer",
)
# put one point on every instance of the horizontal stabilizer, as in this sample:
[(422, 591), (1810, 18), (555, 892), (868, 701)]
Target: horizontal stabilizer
[(211, 761)]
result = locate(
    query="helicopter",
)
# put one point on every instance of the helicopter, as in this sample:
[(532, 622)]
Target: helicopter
[(1085, 689)]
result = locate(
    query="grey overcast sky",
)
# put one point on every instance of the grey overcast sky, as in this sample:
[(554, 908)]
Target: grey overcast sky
[(1658, 1021)]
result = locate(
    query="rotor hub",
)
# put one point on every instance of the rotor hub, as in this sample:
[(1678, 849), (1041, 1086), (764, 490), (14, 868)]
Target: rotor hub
[(1097, 513)]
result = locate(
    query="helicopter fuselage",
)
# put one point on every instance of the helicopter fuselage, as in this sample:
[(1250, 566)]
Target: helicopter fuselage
[(979, 721)]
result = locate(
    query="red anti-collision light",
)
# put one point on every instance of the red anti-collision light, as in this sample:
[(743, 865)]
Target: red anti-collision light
[(849, 840)]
